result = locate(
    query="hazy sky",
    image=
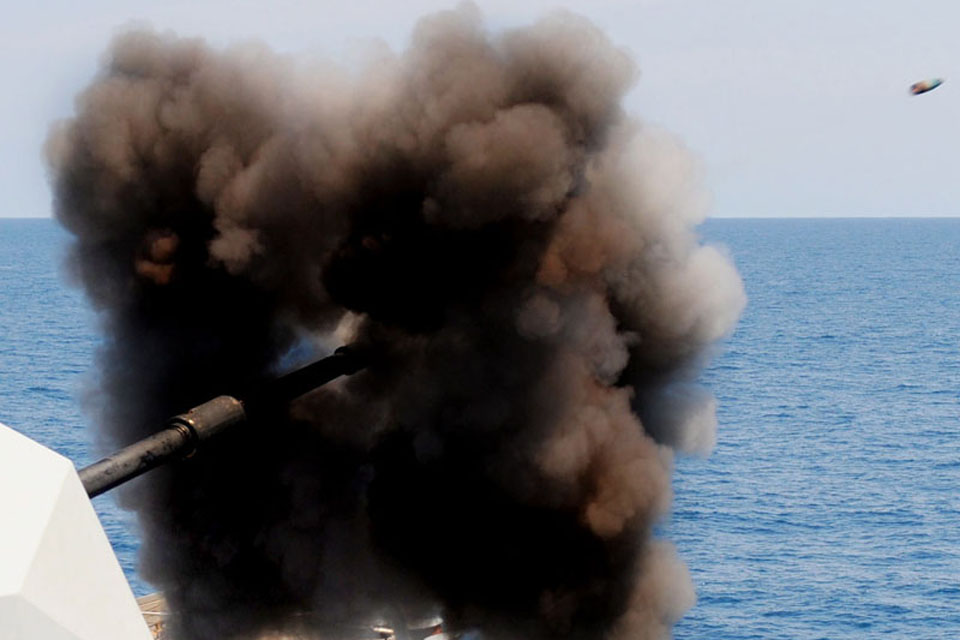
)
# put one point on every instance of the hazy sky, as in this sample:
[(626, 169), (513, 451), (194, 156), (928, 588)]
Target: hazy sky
[(796, 107)]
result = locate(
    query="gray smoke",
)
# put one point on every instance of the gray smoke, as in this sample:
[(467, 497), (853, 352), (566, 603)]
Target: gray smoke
[(519, 254)]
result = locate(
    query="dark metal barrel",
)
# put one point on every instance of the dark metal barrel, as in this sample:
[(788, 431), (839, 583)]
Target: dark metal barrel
[(186, 432)]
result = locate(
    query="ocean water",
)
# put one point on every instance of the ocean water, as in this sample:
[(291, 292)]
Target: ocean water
[(47, 340), (830, 507)]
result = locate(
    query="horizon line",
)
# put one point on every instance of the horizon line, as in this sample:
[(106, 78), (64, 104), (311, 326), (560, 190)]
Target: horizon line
[(715, 217)]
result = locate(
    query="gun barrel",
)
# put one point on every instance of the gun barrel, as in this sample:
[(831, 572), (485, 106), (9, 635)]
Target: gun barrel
[(186, 432)]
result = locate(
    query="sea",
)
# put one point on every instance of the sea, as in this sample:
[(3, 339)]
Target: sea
[(830, 507)]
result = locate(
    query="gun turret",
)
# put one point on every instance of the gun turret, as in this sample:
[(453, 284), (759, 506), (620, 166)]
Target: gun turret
[(186, 432)]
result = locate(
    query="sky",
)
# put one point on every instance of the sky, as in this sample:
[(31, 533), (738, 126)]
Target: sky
[(795, 108)]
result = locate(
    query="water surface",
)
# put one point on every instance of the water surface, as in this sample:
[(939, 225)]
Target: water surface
[(831, 505)]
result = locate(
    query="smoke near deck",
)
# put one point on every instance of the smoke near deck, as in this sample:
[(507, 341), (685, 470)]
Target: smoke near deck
[(481, 214)]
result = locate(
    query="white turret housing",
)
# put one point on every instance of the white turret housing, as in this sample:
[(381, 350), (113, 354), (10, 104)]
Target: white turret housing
[(59, 577)]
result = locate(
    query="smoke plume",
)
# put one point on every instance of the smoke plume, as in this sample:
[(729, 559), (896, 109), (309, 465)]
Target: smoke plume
[(519, 254)]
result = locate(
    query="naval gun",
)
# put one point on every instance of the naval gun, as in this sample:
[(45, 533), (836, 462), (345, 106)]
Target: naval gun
[(185, 433)]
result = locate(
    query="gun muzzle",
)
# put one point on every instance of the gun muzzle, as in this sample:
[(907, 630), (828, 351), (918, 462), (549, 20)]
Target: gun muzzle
[(185, 433)]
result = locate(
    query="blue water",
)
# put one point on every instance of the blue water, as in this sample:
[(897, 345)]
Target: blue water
[(831, 505), (47, 341)]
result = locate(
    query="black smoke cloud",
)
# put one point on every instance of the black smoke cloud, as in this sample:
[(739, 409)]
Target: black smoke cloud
[(481, 214)]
